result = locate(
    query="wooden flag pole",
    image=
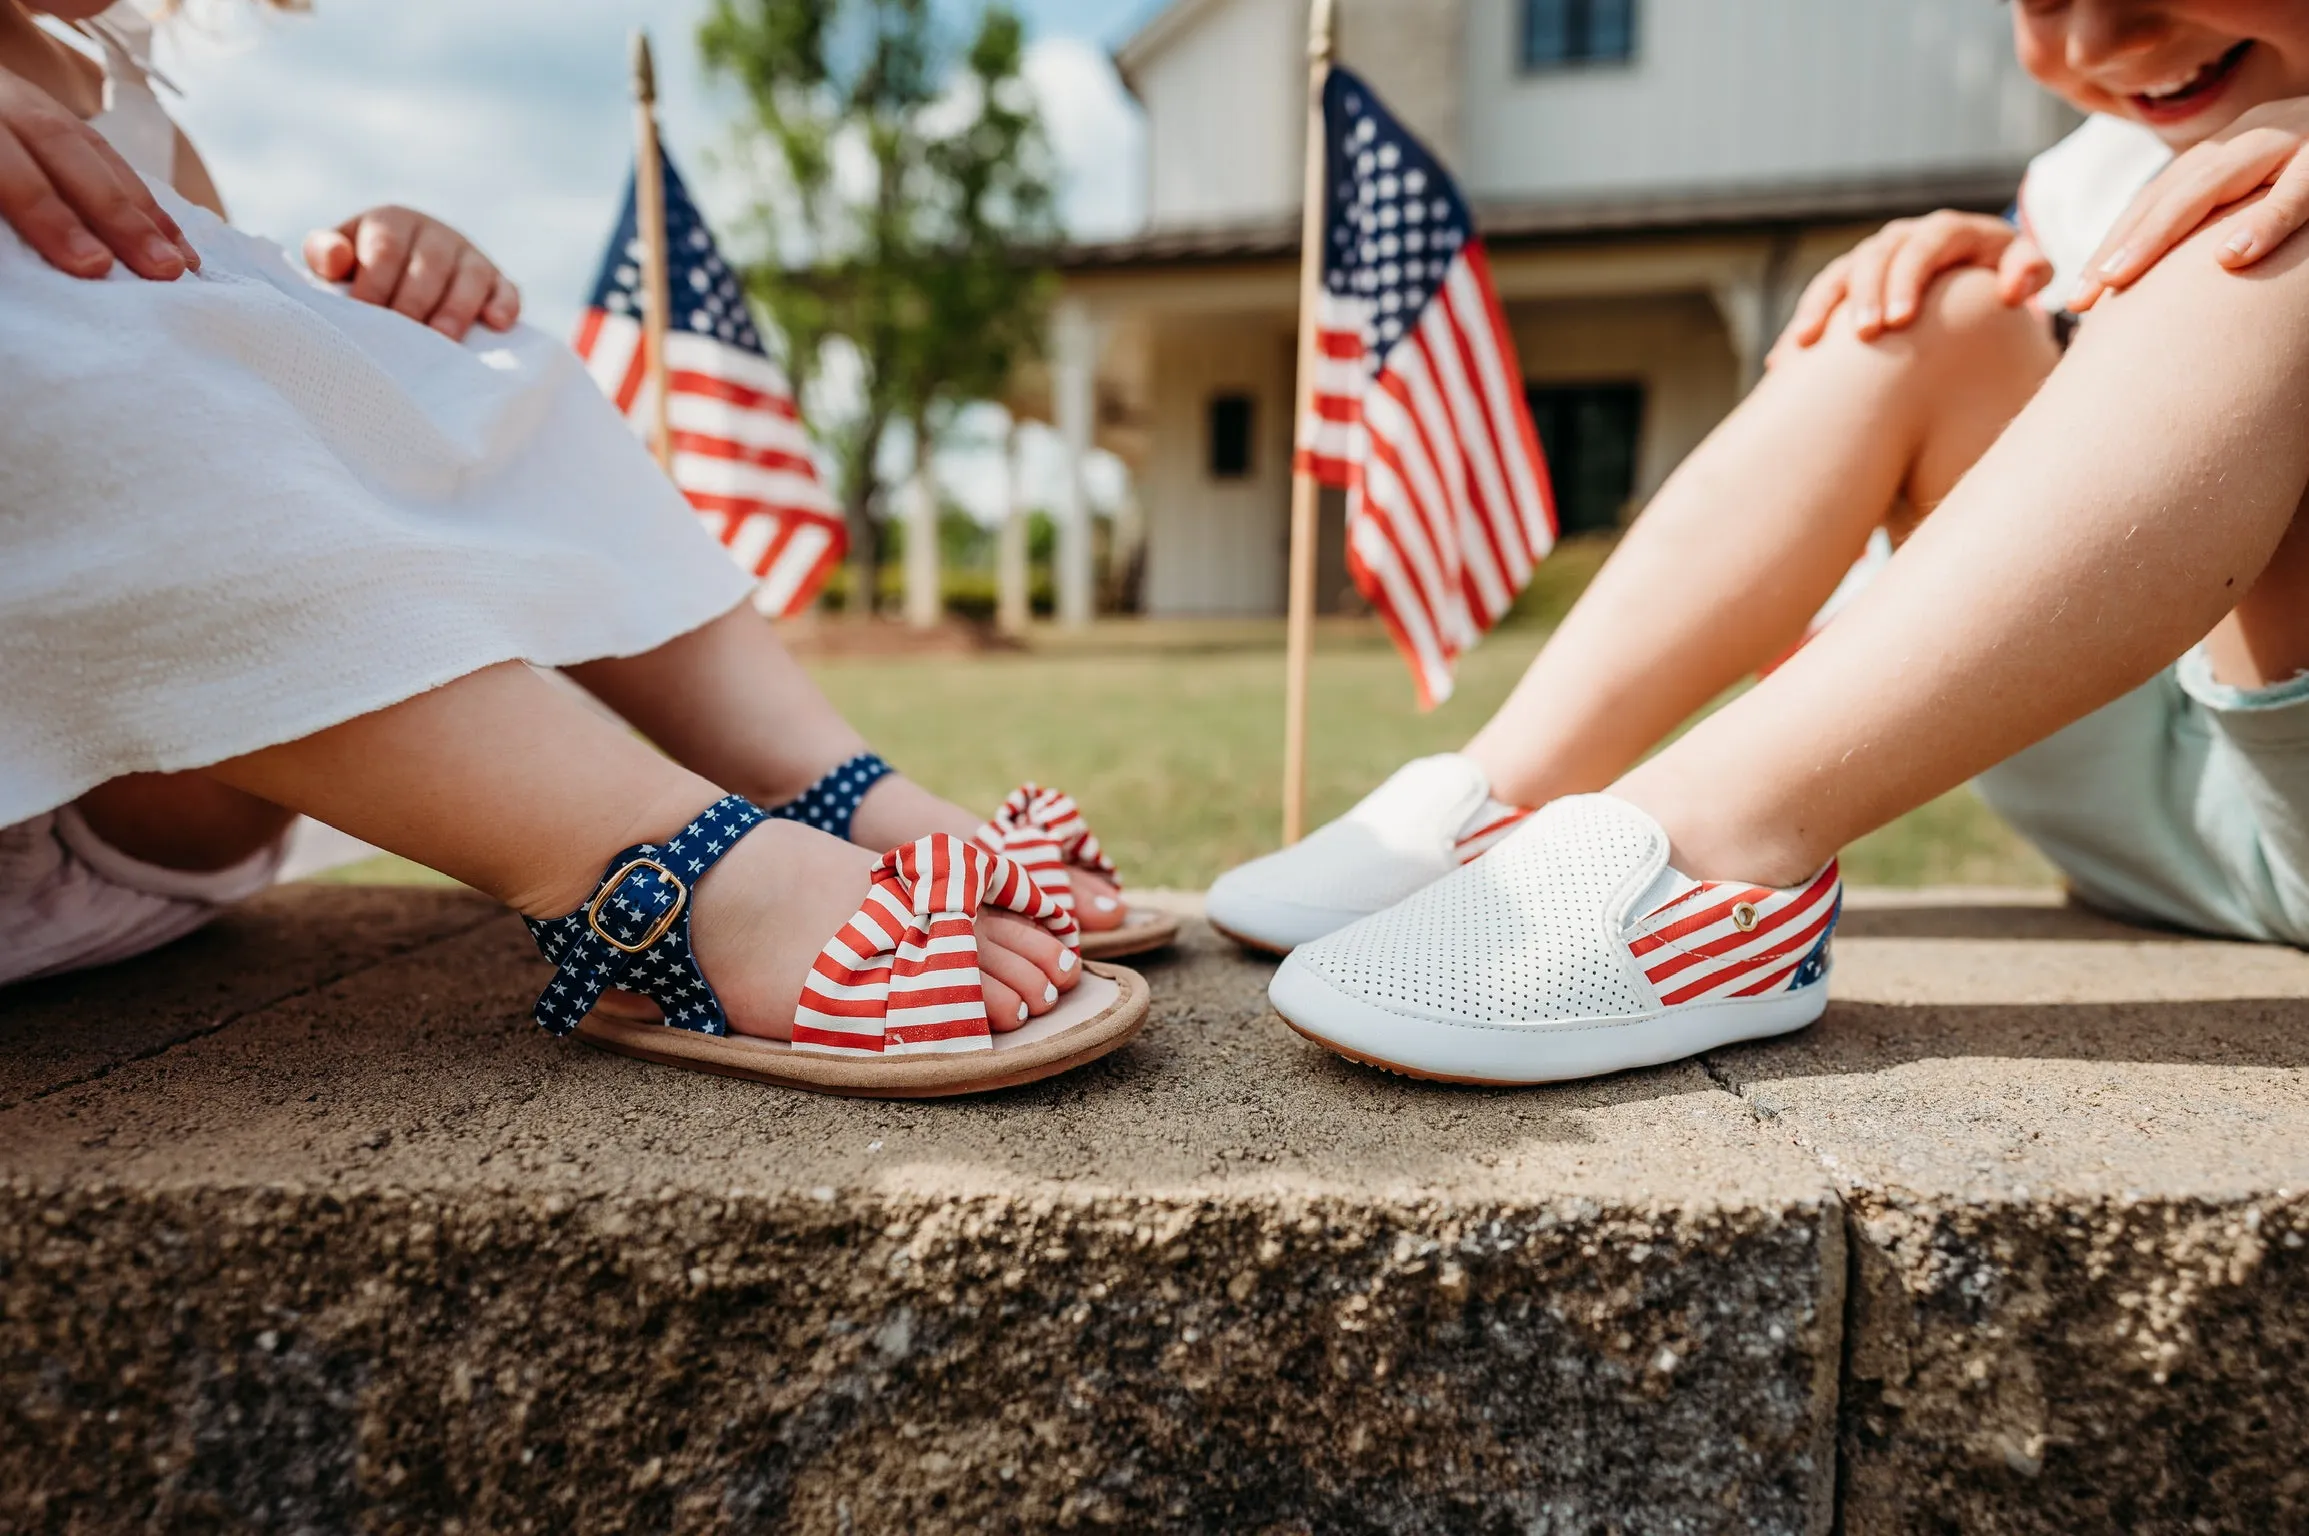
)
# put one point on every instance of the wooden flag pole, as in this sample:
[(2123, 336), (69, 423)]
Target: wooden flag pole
[(1304, 491), (649, 203)]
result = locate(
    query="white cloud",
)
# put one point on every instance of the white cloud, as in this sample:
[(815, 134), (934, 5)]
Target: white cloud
[(1099, 132)]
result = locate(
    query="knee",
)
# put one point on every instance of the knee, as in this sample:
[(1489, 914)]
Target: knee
[(1963, 330)]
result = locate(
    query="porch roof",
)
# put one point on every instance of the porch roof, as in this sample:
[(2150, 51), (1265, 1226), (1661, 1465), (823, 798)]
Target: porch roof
[(1712, 210)]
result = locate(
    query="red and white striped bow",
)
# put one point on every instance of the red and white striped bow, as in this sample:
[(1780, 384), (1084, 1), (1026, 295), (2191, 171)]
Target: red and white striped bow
[(1044, 830), (902, 978)]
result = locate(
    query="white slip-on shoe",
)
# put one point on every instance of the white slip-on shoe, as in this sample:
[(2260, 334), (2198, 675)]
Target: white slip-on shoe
[(1433, 815), (1572, 950)]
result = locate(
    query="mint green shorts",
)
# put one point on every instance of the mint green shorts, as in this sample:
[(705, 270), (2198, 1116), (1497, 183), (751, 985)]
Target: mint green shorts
[(2184, 803)]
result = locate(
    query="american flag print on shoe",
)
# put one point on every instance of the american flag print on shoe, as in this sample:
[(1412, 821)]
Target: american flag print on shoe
[(902, 977), (1492, 822), (1571, 949), (1719, 938)]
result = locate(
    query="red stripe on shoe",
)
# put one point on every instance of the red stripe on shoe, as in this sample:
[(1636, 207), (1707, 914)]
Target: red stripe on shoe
[(1781, 951)]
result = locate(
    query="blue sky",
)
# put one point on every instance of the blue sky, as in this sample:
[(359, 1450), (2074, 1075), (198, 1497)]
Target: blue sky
[(509, 118)]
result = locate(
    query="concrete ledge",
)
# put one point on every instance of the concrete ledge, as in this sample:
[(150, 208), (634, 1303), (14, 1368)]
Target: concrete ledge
[(2075, 1156), (2009, 1242)]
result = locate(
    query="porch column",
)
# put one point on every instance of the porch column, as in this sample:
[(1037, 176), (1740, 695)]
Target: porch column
[(1073, 380), (1744, 302), (1755, 303), (1013, 605), (925, 604)]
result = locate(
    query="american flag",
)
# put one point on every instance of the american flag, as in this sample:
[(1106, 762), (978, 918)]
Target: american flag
[(1418, 410), (739, 451)]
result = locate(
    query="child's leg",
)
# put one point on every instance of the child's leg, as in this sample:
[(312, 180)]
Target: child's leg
[(730, 701), (2142, 499), (512, 786), (182, 821), (1749, 536)]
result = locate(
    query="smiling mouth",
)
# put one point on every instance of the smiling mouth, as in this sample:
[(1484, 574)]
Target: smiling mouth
[(2183, 95)]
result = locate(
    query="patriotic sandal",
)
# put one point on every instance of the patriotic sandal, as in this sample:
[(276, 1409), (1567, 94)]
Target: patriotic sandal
[(1045, 832), (1432, 816), (1572, 950), (893, 1007), (1040, 828)]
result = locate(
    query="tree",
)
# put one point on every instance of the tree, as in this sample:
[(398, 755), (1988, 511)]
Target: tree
[(905, 183)]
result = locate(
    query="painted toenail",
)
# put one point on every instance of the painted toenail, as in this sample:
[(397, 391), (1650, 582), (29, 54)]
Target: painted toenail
[(1106, 903), (1066, 960), (1050, 991), (1021, 1013)]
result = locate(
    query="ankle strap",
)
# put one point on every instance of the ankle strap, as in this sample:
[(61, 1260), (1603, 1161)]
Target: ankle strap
[(634, 933), (832, 802)]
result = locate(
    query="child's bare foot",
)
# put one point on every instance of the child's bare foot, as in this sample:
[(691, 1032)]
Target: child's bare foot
[(1098, 903), (898, 810), (770, 905)]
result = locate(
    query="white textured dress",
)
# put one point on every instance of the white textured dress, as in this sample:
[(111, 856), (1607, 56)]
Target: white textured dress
[(238, 508)]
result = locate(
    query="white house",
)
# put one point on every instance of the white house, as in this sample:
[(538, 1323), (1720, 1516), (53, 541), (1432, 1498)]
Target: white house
[(1655, 179)]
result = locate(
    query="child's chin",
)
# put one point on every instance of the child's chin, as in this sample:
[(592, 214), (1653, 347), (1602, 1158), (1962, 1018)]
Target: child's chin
[(2190, 133)]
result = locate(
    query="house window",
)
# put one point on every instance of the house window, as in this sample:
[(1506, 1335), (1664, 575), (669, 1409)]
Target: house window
[(1230, 437), (1557, 33), (1589, 433)]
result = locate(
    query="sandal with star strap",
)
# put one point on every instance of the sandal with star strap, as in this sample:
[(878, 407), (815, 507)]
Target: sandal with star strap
[(893, 1007)]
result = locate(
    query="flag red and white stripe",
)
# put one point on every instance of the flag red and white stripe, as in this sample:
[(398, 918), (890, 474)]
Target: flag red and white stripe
[(740, 451), (1417, 409)]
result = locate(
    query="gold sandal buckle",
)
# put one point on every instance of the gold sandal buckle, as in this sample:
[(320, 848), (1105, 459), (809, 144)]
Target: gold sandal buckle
[(657, 929)]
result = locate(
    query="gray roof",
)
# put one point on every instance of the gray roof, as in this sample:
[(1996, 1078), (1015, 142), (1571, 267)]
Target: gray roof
[(1505, 226)]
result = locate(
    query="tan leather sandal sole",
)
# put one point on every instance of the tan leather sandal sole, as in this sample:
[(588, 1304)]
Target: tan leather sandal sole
[(1105, 1009), (1143, 929)]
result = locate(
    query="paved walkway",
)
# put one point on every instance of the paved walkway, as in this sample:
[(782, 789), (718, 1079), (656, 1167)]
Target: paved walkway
[(306, 1229)]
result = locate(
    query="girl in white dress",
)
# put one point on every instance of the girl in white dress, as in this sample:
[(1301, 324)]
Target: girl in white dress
[(269, 545)]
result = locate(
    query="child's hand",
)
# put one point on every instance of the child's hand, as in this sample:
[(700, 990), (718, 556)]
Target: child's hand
[(418, 267), (73, 199), (1881, 281), (2263, 148)]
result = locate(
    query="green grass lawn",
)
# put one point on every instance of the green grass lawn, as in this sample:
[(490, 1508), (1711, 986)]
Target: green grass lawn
[(1171, 736), (1178, 755)]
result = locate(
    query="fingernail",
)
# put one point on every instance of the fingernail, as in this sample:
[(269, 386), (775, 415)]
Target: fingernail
[(1050, 991), (2116, 261), (160, 253), (1105, 903), (82, 246), (1066, 959), (2080, 296), (1021, 1013), (2240, 245), (1866, 319), (1897, 313)]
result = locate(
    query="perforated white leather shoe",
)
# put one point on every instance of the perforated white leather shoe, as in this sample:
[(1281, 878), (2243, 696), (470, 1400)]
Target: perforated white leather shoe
[(1572, 950), (1433, 815)]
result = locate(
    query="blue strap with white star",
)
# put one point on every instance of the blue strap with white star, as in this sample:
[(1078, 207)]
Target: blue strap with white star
[(830, 803), (634, 933)]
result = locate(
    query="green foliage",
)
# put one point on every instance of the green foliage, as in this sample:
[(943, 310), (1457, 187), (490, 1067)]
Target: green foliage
[(964, 543), (901, 175)]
